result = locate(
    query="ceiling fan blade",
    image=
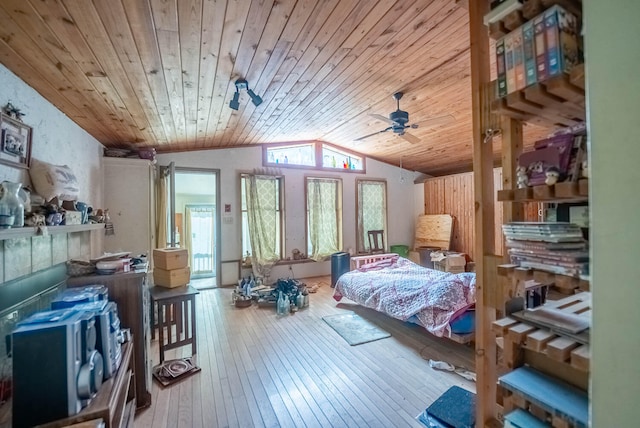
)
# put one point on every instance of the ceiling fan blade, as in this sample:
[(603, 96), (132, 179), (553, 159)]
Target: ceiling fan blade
[(382, 118), (435, 121), (375, 133), (410, 138)]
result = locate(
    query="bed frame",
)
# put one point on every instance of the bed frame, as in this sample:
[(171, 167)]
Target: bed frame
[(358, 261)]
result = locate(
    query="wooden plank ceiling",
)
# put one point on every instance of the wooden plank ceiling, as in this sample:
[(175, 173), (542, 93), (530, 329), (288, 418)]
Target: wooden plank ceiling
[(161, 73)]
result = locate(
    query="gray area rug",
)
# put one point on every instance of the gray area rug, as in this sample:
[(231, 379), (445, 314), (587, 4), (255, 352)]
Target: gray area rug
[(355, 329)]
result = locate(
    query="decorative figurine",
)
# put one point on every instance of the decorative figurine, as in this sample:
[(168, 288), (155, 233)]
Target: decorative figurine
[(552, 176), (585, 169), (12, 111), (522, 180)]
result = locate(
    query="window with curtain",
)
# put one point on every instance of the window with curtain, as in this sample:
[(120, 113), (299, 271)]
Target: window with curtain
[(324, 217), (262, 217), (372, 210)]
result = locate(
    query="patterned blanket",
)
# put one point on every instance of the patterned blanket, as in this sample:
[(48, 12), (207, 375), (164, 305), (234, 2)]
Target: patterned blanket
[(400, 288)]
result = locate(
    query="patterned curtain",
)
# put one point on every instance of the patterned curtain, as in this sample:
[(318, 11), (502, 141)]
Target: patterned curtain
[(324, 215), (372, 210), (261, 198)]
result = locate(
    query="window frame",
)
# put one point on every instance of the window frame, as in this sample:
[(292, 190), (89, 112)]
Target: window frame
[(339, 203), (357, 210), (319, 145), (281, 209)]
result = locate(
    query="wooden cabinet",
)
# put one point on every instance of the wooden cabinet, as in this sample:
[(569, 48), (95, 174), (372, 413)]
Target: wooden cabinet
[(130, 291), (115, 402), (129, 196)]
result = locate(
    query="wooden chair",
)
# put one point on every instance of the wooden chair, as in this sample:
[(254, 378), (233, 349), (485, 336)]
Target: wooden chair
[(376, 241)]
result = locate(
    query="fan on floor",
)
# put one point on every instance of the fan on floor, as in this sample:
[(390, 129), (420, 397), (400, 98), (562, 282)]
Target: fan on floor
[(398, 122)]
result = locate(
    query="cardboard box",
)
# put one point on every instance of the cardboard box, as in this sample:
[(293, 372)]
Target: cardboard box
[(171, 278), (170, 258), (452, 263)]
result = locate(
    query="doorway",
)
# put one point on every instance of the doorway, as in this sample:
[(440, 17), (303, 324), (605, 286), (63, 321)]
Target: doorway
[(194, 212)]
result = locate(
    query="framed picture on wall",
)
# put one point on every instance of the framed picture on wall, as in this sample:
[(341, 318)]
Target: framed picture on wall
[(15, 142)]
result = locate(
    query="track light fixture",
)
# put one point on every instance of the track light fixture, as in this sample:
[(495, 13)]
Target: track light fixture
[(240, 85)]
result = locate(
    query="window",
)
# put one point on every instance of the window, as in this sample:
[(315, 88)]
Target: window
[(324, 217), (262, 217), (312, 155), (372, 210), (299, 154)]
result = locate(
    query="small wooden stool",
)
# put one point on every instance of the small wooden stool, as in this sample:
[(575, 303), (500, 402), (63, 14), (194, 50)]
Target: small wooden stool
[(175, 307)]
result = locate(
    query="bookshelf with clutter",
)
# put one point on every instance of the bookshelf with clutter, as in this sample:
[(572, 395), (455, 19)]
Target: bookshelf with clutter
[(536, 300)]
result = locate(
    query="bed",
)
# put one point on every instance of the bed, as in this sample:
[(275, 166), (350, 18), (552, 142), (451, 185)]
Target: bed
[(409, 292)]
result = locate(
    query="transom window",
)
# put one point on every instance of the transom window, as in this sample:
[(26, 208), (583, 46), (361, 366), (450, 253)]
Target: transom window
[(312, 155)]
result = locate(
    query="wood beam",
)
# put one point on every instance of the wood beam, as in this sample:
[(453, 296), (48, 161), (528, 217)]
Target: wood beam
[(484, 215)]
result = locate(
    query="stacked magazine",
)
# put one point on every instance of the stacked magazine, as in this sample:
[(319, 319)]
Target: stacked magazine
[(555, 247)]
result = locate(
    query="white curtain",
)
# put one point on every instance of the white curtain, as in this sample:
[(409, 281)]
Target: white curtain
[(162, 184), (261, 199), (324, 216), (372, 210), (187, 235)]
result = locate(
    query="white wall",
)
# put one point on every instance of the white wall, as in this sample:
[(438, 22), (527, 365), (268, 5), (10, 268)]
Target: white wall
[(232, 162), (613, 94), (55, 139)]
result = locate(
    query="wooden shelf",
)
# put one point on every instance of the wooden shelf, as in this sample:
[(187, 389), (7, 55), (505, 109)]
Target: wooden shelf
[(565, 284), (558, 101), (28, 231), (566, 191)]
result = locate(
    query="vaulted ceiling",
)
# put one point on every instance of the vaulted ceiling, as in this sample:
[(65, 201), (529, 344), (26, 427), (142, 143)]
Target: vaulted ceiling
[(161, 73)]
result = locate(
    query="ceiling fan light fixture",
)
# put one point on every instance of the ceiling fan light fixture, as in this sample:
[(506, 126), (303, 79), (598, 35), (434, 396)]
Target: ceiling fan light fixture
[(235, 102)]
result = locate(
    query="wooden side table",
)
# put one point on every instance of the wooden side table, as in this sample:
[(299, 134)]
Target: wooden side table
[(176, 317)]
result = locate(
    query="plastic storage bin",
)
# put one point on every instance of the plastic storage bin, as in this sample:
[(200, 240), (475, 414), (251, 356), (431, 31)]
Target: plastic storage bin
[(401, 250), (425, 256), (339, 265)]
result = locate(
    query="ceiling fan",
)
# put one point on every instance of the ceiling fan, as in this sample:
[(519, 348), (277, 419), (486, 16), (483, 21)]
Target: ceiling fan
[(398, 122)]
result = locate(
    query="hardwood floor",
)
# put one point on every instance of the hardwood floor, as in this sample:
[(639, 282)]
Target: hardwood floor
[(264, 371)]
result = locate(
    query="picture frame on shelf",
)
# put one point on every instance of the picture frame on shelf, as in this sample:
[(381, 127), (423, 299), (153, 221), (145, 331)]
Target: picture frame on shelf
[(15, 142)]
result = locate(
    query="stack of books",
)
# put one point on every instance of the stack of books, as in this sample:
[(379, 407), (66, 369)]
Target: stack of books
[(555, 247)]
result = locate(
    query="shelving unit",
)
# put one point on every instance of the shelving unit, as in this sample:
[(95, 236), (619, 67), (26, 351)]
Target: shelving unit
[(560, 360), (28, 232)]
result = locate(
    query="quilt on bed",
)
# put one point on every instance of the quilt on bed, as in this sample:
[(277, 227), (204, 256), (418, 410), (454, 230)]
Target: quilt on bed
[(400, 288)]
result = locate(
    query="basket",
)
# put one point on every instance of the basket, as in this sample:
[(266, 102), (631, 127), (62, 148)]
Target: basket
[(80, 268)]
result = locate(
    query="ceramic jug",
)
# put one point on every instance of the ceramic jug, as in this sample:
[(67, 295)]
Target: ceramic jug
[(11, 206)]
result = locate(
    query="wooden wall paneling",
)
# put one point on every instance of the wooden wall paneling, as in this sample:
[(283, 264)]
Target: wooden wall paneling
[(190, 31), (319, 51), (254, 27), (273, 94), (18, 35), (399, 60), (213, 17), (234, 23), (33, 78), (270, 53), (89, 22), (144, 35), (483, 154), (269, 21), (378, 21), (115, 21), (382, 69)]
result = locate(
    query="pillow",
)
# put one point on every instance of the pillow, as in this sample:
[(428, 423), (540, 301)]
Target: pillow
[(52, 181)]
